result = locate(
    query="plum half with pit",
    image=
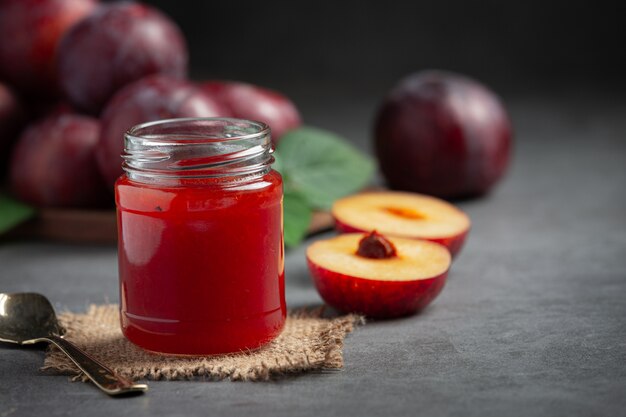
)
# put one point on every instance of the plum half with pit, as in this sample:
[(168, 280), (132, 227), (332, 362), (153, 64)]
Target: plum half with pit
[(30, 31), (53, 163), (376, 275), (152, 98), (119, 43), (442, 134), (247, 101)]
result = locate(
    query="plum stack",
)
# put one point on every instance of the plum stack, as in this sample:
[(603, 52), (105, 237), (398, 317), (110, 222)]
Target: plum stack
[(78, 73)]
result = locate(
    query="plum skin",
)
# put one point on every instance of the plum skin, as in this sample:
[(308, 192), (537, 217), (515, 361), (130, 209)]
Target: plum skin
[(12, 118), (442, 134), (31, 31), (118, 44), (375, 298), (247, 101), (53, 163), (152, 98)]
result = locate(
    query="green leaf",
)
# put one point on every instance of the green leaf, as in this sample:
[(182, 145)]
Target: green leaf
[(278, 164), (318, 167), (12, 213), (297, 216), (322, 166)]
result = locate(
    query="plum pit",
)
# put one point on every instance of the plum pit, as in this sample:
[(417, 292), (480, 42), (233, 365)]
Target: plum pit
[(376, 246)]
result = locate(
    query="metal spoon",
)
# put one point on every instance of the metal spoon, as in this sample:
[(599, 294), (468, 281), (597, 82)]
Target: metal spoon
[(28, 318)]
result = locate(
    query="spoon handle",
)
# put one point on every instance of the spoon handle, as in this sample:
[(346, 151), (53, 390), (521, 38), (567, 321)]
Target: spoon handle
[(101, 375)]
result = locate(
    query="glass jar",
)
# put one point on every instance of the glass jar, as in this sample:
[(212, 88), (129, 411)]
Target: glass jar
[(200, 237)]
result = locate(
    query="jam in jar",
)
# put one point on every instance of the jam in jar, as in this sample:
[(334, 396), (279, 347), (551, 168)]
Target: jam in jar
[(199, 213)]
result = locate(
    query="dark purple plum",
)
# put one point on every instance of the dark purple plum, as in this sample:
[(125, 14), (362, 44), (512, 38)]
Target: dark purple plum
[(30, 31), (54, 164), (152, 98), (117, 44), (12, 118), (247, 101), (442, 134)]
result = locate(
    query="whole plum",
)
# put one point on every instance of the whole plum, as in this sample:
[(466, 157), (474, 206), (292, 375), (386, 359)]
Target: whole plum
[(247, 101), (53, 163), (30, 31), (152, 98), (117, 44), (12, 118), (442, 134)]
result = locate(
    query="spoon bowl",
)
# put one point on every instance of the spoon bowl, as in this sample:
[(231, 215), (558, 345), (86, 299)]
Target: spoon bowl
[(29, 318), (26, 316)]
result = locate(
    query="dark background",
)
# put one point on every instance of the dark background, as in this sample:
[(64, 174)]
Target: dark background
[(364, 47)]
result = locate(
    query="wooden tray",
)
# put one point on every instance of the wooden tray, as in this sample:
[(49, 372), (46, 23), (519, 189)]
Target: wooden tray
[(99, 226)]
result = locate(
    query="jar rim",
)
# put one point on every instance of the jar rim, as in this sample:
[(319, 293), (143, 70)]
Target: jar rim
[(197, 147), (263, 129)]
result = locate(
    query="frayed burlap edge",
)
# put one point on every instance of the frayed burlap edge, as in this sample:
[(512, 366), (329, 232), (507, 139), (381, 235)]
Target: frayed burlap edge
[(308, 342)]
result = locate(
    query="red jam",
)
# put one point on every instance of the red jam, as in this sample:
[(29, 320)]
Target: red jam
[(201, 266), (201, 263)]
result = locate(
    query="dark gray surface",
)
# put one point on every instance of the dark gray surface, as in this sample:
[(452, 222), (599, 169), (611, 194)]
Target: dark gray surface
[(532, 321)]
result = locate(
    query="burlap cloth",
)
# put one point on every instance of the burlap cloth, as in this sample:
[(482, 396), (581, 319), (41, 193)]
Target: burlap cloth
[(308, 342)]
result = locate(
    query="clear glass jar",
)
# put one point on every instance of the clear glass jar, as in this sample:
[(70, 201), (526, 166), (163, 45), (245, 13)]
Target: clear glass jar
[(201, 258)]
